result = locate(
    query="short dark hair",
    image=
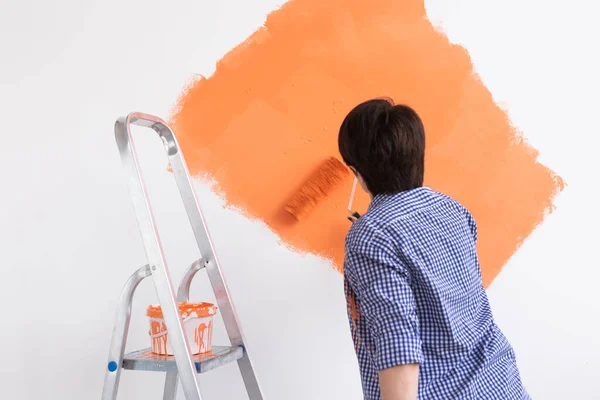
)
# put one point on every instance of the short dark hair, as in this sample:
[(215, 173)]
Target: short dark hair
[(385, 144)]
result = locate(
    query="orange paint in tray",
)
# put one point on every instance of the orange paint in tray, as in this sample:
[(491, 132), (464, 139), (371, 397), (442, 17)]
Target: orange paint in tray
[(197, 325)]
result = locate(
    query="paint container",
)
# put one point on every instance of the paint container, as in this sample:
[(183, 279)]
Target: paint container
[(197, 325)]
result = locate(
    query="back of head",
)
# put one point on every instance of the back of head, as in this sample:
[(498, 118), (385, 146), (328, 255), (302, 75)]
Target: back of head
[(385, 144)]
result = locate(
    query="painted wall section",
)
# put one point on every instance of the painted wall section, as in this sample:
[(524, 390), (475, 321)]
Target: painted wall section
[(271, 112)]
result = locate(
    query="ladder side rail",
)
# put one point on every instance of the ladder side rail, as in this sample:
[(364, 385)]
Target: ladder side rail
[(154, 251), (211, 262), (119, 335), (183, 294)]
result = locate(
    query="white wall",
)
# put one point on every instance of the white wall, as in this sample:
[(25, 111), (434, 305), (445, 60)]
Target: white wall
[(69, 238)]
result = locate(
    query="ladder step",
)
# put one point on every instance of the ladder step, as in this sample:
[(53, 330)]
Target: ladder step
[(145, 360)]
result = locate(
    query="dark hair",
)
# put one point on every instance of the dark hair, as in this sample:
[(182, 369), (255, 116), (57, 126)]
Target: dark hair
[(385, 144)]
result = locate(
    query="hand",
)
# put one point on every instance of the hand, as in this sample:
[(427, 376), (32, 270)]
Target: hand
[(354, 217)]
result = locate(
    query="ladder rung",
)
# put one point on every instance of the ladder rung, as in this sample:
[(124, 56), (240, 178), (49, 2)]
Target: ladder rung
[(145, 360)]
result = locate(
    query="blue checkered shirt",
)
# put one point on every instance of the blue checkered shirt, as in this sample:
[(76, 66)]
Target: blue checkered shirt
[(414, 292)]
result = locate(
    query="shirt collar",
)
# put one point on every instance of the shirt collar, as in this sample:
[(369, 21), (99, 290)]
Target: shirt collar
[(417, 197)]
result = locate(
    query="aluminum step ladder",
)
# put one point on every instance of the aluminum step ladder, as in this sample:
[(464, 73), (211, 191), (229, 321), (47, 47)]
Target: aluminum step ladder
[(183, 365)]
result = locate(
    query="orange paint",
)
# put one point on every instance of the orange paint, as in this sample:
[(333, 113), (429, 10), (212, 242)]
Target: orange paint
[(158, 333), (185, 309), (271, 112), (317, 188), (353, 308), (204, 346), (198, 357), (197, 321)]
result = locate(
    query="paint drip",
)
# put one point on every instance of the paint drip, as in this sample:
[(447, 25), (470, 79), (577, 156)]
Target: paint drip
[(197, 319)]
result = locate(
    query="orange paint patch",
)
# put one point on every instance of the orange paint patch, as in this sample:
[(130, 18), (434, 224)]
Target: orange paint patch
[(203, 337), (158, 333), (188, 311), (185, 309), (271, 112)]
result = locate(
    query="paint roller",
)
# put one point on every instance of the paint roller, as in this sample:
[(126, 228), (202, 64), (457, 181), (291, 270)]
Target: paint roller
[(317, 187)]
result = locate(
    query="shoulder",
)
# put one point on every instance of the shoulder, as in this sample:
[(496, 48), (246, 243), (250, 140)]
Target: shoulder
[(370, 252), (457, 205), (363, 234), (369, 243), (460, 209)]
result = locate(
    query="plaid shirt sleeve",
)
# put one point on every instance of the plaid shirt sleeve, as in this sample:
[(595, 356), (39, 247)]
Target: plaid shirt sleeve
[(472, 224), (381, 284)]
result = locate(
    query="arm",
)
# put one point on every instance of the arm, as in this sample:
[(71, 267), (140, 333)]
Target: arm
[(472, 224), (381, 283), (400, 382)]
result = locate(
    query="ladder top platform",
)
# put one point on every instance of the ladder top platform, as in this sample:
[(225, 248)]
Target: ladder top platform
[(145, 360)]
